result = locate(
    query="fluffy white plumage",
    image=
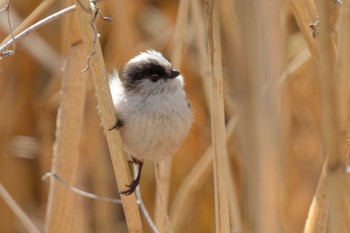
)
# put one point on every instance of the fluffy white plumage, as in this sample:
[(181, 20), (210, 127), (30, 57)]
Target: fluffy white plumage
[(156, 116)]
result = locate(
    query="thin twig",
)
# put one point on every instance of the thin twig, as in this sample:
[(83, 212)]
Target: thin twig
[(106, 199), (79, 191), (35, 27), (96, 11), (92, 23)]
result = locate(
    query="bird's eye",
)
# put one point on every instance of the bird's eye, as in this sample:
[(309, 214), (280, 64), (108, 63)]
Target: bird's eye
[(154, 77)]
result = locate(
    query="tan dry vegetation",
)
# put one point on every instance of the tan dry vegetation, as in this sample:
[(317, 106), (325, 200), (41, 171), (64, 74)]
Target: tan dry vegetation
[(268, 148)]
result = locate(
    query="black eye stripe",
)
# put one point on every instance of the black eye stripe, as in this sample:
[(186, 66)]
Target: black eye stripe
[(153, 69), (141, 71)]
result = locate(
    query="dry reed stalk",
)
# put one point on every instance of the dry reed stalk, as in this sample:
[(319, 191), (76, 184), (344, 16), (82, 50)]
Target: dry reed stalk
[(234, 205), (265, 38), (342, 76), (107, 113), (193, 181), (20, 214), (60, 209), (336, 161), (217, 113), (70, 35), (163, 169), (202, 43), (180, 32), (342, 68), (228, 14), (162, 177)]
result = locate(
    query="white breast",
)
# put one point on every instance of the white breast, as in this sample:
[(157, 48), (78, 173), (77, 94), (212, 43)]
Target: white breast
[(155, 125)]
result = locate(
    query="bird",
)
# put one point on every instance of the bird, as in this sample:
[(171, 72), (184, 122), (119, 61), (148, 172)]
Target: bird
[(153, 112)]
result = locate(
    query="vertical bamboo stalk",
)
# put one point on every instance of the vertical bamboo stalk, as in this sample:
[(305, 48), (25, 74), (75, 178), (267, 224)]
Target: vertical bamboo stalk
[(217, 113), (107, 113), (60, 210)]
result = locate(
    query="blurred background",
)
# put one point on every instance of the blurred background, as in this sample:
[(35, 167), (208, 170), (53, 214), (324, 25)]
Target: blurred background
[(274, 120)]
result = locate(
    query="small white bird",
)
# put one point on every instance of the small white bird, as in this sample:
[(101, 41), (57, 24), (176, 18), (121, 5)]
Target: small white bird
[(154, 115)]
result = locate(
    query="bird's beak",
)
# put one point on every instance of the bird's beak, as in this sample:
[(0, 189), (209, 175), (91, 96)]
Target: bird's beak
[(174, 74)]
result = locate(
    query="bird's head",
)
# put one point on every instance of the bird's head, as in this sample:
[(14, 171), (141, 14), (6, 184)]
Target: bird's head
[(150, 73)]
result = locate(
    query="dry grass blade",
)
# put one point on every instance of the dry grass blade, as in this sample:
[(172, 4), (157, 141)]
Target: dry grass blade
[(107, 113), (27, 223), (218, 120)]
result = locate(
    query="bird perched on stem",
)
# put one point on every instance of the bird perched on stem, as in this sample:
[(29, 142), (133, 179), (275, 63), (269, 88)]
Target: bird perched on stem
[(153, 113)]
